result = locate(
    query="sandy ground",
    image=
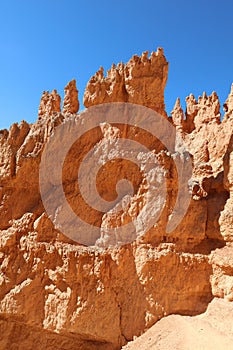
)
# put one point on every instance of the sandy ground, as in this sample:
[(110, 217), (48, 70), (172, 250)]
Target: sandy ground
[(212, 330)]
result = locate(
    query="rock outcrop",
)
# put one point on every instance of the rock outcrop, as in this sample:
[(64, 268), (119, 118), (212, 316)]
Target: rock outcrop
[(71, 102), (56, 293), (142, 80), (49, 103)]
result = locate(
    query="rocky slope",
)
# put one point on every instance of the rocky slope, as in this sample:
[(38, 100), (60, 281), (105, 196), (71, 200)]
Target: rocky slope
[(56, 293), (211, 330)]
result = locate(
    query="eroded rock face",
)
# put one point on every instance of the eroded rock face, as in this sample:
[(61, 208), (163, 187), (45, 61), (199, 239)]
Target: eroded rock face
[(71, 102), (142, 80), (49, 103), (71, 296)]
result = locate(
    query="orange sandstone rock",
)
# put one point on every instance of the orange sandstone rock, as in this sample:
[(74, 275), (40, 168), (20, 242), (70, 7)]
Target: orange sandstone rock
[(142, 80), (50, 103), (71, 102), (55, 293)]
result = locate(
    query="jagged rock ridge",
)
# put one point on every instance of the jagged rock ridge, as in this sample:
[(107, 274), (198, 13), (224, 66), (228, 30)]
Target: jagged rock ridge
[(56, 293)]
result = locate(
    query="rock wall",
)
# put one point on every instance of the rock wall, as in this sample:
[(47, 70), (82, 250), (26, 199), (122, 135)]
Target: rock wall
[(55, 292)]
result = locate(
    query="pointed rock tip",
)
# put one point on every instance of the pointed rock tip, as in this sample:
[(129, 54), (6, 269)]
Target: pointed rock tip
[(214, 95), (190, 97), (204, 95), (177, 103), (177, 106), (160, 51), (71, 83), (144, 55)]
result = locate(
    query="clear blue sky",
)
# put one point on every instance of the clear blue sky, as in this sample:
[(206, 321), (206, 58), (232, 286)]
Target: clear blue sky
[(46, 43)]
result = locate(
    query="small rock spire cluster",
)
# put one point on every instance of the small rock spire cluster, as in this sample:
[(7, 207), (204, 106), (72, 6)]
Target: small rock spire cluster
[(202, 111), (200, 126), (50, 103), (142, 80)]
